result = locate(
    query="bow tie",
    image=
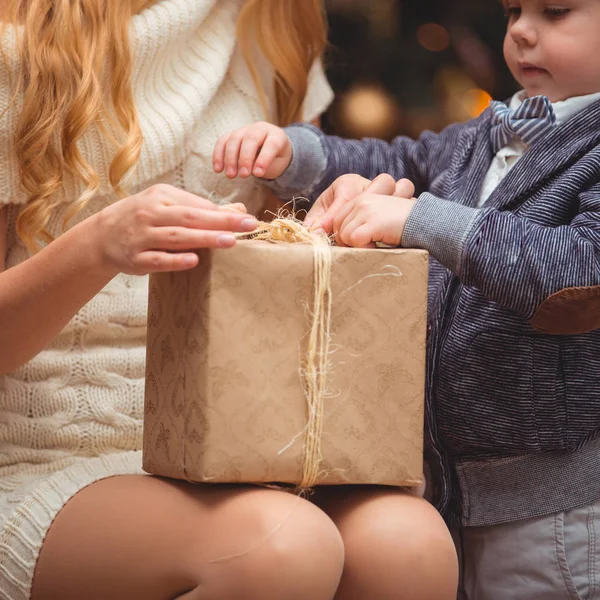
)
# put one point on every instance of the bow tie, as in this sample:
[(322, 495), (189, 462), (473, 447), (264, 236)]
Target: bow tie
[(529, 122)]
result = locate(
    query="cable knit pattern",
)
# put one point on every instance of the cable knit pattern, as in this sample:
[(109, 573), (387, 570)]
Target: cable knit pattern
[(73, 414)]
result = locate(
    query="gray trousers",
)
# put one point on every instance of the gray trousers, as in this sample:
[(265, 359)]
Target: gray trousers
[(556, 557)]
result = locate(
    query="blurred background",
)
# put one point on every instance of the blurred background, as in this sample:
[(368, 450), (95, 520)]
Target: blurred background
[(401, 66)]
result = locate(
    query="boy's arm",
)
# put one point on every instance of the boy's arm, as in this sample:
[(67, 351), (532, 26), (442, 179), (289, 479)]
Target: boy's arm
[(513, 261), (318, 160)]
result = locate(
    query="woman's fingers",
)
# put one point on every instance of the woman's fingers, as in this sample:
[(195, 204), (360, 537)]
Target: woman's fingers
[(226, 219), (236, 206), (156, 261), (163, 194), (166, 205), (177, 239)]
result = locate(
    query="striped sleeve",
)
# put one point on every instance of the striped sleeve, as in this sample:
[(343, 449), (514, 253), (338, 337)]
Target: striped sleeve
[(511, 260), (318, 160)]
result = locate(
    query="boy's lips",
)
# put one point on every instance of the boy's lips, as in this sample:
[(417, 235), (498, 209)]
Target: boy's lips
[(531, 69)]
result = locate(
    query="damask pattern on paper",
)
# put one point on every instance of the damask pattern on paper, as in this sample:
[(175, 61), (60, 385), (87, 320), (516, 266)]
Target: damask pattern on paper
[(224, 399)]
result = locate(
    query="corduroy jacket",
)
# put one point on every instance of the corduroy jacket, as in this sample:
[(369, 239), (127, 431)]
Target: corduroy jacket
[(513, 396)]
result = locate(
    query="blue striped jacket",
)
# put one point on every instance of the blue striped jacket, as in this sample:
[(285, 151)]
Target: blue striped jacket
[(513, 414)]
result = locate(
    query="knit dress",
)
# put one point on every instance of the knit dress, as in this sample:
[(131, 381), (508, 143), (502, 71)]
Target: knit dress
[(73, 414)]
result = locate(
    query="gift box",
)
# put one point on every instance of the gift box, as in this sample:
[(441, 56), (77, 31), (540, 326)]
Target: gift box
[(228, 362)]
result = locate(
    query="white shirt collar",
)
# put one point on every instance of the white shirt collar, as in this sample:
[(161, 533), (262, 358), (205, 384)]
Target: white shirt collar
[(563, 110)]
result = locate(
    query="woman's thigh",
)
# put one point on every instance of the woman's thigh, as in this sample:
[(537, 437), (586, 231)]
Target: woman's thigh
[(145, 537), (397, 545)]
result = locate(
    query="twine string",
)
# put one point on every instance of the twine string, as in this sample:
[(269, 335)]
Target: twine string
[(315, 364)]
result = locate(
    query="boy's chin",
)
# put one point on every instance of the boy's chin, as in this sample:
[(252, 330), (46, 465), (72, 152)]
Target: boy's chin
[(531, 92)]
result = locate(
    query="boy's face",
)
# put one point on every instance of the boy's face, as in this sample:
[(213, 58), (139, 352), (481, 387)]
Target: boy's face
[(552, 47)]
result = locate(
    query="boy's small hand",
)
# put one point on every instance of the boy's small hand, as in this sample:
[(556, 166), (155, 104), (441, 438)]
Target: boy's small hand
[(342, 190), (371, 218), (347, 188), (261, 149)]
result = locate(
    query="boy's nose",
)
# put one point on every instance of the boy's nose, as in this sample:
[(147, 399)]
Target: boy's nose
[(523, 33)]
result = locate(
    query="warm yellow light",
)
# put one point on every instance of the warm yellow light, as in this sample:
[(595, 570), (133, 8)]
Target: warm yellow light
[(476, 101), (433, 37), (369, 110)]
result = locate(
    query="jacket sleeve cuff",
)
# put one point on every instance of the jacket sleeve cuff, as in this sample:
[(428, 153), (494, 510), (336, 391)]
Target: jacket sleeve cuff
[(440, 227), (308, 165)]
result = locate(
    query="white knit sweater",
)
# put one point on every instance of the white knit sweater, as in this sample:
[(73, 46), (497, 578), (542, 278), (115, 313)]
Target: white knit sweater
[(73, 414)]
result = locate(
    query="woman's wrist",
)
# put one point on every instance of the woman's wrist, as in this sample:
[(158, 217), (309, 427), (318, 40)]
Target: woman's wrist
[(89, 235)]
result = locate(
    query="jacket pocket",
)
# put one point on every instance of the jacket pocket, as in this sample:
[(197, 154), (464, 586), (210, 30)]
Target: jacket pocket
[(508, 397)]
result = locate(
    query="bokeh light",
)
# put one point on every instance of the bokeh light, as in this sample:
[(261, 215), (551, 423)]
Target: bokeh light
[(401, 66), (369, 110), (433, 37), (476, 101)]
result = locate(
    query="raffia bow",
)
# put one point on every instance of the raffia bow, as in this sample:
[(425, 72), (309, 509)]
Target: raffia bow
[(314, 368)]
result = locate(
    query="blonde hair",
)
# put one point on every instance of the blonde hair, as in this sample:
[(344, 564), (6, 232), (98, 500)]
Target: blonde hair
[(291, 35), (66, 47)]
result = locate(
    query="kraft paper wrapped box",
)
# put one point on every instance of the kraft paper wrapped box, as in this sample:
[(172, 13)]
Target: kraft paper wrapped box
[(225, 400)]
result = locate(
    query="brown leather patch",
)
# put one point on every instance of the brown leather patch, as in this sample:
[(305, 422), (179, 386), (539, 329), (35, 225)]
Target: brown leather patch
[(570, 311)]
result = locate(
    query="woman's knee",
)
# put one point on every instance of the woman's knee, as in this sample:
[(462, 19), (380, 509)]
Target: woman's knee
[(397, 546), (161, 539), (296, 552), (425, 556)]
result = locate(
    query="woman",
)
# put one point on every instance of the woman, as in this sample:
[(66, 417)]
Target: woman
[(123, 100)]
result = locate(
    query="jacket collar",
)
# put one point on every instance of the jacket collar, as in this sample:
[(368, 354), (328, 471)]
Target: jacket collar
[(560, 148)]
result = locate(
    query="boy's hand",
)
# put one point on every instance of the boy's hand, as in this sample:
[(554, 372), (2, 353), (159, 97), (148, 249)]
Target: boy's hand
[(371, 218), (345, 189), (261, 149)]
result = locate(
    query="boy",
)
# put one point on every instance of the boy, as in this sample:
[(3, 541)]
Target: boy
[(508, 206)]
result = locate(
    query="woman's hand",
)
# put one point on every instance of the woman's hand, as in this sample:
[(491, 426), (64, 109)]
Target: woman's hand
[(156, 230), (261, 149)]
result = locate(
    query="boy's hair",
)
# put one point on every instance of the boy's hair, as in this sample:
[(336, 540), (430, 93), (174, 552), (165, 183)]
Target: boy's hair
[(64, 47)]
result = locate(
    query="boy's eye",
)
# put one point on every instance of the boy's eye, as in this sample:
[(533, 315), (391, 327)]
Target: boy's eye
[(512, 11), (557, 13)]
